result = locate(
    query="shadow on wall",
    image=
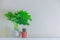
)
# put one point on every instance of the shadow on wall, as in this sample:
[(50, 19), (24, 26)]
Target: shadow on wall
[(6, 32)]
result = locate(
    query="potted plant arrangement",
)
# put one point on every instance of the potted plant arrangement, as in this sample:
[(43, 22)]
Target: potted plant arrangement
[(20, 17), (24, 33)]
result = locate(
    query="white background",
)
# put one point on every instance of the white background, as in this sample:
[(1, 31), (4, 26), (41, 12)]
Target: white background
[(45, 15)]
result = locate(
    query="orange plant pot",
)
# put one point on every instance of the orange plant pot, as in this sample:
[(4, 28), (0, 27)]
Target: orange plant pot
[(24, 34)]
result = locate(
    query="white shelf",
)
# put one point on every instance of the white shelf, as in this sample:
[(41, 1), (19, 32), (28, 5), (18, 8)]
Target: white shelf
[(29, 38)]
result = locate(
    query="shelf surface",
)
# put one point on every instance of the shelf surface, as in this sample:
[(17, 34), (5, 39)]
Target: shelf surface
[(29, 38)]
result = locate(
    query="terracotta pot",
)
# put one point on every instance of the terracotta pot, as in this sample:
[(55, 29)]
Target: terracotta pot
[(24, 34)]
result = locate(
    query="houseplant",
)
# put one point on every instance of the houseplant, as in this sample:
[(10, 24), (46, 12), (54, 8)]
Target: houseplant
[(20, 17), (24, 33)]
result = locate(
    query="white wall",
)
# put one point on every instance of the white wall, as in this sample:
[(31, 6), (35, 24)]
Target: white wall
[(45, 15)]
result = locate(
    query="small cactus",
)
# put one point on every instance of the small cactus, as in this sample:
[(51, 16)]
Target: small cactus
[(24, 29)]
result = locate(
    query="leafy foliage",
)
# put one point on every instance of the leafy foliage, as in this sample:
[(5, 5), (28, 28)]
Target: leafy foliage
[(20, 17)]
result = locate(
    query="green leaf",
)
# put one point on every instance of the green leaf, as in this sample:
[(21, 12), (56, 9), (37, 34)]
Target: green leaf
[(20, 17)]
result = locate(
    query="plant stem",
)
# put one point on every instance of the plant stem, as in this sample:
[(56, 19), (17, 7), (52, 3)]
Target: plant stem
[(16, 27)]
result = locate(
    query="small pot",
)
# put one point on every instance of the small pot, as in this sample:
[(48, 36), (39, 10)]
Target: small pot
[(24, 33)]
